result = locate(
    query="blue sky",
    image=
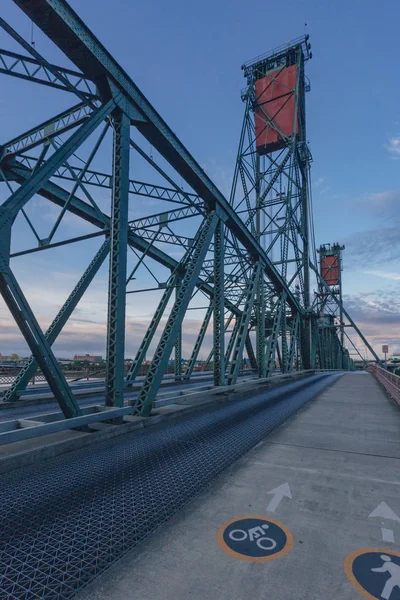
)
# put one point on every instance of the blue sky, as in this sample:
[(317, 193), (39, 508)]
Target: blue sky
[(186, 58)]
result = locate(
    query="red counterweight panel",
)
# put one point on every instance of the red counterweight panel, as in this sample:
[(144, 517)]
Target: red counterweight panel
[(275, 97), (330, 269)]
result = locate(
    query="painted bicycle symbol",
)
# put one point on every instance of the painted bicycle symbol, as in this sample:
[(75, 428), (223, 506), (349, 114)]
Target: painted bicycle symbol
[(255, 539), (255, 534)]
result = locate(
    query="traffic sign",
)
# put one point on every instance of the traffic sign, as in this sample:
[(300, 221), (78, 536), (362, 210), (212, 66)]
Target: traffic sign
[(255, 539)]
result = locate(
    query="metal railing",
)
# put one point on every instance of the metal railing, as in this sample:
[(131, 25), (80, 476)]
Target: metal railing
[(7, 376), (389, 381)]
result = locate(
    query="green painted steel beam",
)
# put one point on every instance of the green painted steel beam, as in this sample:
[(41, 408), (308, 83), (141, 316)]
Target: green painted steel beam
[(33, 184), (151, 330), (63, 26), (199, 341), (29, 370), (137, 188), (243, 327), (161, 356), (41, 134), (30, 69), (59, 196), (118, 262), (36, 340), (218, 305)]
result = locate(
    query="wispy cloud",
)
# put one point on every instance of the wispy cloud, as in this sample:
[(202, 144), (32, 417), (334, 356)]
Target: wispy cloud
[(393, 147), (372, 248), (384, 275), (384, 199), (377, 314)]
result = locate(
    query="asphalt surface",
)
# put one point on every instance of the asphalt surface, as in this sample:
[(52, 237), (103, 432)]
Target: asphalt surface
[(66, 520)]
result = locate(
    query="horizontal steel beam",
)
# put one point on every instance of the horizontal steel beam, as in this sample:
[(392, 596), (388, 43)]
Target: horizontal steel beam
[(104, 180), (58, 125), (30, 69)]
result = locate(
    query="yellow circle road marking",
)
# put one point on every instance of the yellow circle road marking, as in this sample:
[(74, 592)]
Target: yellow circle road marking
[(348, 567), (241, 521)]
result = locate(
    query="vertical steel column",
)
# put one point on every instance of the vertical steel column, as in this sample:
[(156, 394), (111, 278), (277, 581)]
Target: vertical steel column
[(178, 356), (260, 302), (243, 327), (232, 339), (284, 363), (211, 354), (178, 341), (294, 334), (199, 341), (118, 258), (341, 301), (260, 331), (272, 343), (218, 324), (250, 352), (306, 240)]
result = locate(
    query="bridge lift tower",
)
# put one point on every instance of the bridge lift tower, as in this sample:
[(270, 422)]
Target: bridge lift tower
[(332, 351), (270, 192)]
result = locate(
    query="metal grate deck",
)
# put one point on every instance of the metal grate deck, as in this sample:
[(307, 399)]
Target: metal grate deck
[(65, 520)]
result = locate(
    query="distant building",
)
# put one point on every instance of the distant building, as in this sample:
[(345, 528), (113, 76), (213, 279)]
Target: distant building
[(12, 359), (64, 361), (88, 358)]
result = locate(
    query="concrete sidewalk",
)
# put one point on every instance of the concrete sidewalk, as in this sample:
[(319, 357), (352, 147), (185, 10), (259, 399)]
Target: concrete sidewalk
[(340, 458)]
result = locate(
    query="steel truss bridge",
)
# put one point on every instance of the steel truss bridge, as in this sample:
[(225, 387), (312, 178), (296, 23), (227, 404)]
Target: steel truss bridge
[(246, 261)]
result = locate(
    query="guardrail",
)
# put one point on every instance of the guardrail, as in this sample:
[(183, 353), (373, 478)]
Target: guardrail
[(389, 381)]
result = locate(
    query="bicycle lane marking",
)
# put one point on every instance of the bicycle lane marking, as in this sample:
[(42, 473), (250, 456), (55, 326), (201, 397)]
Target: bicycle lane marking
[(255, 538)]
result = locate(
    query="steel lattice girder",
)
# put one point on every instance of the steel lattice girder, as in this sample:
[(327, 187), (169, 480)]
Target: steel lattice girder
[(30, 69), (81, 208), (63, 26), (165, 237), (104, 180), (59, 196)]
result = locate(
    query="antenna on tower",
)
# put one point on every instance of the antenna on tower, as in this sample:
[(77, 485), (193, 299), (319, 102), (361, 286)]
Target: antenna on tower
[(32, 38)]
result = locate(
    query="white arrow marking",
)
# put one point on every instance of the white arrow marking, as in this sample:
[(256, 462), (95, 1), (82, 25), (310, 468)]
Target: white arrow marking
[(278, 493), (384, 512), (387, 535)]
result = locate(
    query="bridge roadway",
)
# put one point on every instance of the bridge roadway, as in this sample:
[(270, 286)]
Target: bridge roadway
[(68, 519), (91, 393)]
